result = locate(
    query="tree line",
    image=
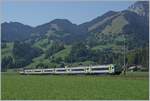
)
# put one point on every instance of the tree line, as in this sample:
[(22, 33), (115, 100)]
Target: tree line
[(23, 53)]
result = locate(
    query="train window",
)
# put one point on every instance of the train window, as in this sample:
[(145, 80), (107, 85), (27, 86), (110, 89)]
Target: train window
[(100, 68), (77, 69), (48, 70), (37, 71), (61, 70)]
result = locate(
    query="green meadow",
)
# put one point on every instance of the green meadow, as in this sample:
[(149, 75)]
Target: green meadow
[(133, 86)]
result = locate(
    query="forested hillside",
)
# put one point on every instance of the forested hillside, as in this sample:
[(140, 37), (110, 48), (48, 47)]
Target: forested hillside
[(60, 42)]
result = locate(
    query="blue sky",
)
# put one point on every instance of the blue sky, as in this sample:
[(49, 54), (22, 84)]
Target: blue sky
[(38, 12)]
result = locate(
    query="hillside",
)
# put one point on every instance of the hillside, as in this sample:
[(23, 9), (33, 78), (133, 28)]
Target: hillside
[(15, 31), (132, 22), (60, 42)]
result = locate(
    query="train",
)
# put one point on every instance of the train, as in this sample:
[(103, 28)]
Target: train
[(97, 69)]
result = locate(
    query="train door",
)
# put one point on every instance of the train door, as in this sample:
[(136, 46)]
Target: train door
[(88, 69), (68, 70), (110, 69)]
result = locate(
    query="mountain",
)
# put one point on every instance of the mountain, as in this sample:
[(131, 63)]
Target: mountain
[(15, 31), (61, 29), (62, 25), (135, 14), (133, 22), (100, 40)]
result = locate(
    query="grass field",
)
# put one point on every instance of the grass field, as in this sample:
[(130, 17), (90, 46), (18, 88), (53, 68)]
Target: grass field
[(34, 87)]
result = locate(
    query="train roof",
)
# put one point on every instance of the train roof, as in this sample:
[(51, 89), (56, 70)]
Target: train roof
[(95, 66)]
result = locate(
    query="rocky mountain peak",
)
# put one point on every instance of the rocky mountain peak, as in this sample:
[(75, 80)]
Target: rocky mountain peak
[(140, 7)]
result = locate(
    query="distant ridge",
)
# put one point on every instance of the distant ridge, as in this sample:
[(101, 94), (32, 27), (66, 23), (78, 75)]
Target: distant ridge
[(132, 21)]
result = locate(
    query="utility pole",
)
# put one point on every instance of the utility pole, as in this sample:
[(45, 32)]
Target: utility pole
[(124, 66), (71, 60)]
